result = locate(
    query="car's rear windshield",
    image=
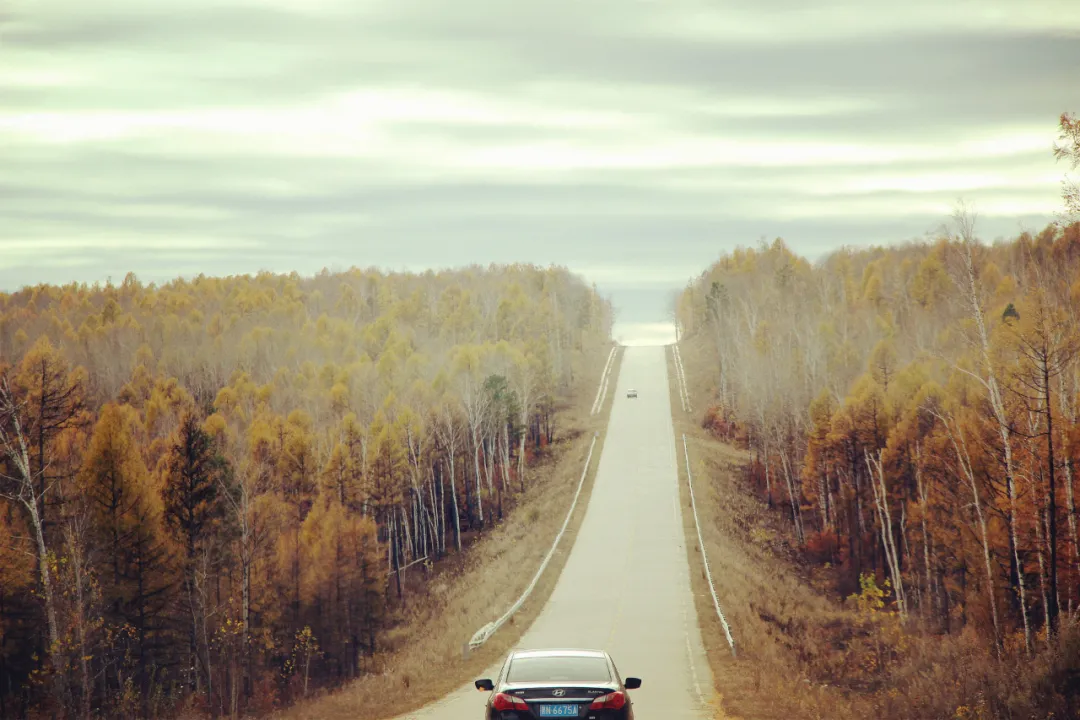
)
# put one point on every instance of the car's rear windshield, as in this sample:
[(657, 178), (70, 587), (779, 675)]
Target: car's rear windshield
[(559, 669)]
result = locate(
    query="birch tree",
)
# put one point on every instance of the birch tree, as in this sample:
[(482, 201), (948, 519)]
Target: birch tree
[(446, 429), (22, 485), (967, 283)]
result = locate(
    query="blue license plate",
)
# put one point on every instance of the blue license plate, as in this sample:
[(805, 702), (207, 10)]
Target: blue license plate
[(547, 710)]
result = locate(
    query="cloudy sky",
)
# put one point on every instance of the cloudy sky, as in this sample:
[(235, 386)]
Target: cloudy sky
[(632, 140)]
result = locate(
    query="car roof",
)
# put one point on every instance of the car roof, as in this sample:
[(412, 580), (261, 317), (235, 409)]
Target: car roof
[(559, 652)]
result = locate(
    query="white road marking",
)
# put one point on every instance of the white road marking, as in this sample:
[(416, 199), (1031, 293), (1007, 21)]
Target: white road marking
[(690, 656), (701, 546), (598, 402), (624, 522)]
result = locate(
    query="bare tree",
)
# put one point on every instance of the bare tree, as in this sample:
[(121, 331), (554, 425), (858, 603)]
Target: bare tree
[(475, 402), (967, 283), (1069, 149), (1047, 347), (526, 371), (874, 467), (446, 430)]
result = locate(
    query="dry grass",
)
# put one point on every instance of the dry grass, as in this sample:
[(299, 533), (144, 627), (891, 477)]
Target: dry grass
[(742, 549), (423, 657), (802, 652)]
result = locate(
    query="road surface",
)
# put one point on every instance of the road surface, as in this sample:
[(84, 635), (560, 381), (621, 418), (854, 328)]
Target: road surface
[(626, 585)]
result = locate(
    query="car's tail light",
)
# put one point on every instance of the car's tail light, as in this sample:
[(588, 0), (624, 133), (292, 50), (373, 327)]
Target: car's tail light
[(503, 701), (611, 701)]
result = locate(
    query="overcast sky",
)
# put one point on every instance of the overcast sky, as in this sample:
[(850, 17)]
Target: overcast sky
[(632, 140)]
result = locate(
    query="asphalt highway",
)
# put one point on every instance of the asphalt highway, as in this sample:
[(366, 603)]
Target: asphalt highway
[(626, 585)]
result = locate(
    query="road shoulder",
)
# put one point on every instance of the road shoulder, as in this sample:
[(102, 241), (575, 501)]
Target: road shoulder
[(429, 661)]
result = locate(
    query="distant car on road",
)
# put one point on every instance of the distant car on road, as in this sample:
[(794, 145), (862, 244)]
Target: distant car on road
[(631, 393), (570, 683)]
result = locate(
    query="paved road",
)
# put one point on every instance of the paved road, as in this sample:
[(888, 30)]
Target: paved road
[(626, 584)]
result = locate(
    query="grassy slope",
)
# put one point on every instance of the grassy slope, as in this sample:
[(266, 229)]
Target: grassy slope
[(805, 654), (424, 660), (772, 603)]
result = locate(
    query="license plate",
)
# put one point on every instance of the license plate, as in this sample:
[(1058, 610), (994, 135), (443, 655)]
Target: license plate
[(547, 710)]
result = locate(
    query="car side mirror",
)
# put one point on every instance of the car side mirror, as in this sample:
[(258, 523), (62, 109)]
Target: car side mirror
[(632, 683), (486, 684)]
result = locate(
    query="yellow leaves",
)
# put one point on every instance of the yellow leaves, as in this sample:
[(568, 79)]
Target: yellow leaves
[(297, 463), (387, 458), (969, 712), (113, 474), (264, 393), (388, 368), (340, 399), (217, 325), (261, 436), (216, 427), (821, 408), (871, 598), (42, 353), (375, 335), (167, 401), (883, 362), (873, 286), (294, 417), (441, 384), (931, 283), (300, 420), (227, 400), (821, 415), (334, 547), (110, 312), (870, 410), (762, 536), (318, 536), (348, 302), (467, 359)]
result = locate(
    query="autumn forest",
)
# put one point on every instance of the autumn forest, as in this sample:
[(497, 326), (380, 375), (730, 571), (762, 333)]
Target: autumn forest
[(913, 411), (217, 495), (211, 490)]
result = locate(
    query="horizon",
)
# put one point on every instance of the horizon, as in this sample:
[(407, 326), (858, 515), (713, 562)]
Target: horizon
[(646, 323)]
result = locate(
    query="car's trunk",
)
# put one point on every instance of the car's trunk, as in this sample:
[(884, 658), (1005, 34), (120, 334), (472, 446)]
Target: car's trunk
[(580, 695)]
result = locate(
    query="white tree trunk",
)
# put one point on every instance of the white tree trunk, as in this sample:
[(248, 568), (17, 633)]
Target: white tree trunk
[(990, 382), (921, 488), (964, 460), (26, 495), (457, 515), (881, 501)]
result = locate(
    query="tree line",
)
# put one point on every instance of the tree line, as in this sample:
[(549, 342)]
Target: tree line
[(210, 490), (914, 411)]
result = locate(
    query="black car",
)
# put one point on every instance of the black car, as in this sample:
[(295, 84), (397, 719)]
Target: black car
[(536, 684)]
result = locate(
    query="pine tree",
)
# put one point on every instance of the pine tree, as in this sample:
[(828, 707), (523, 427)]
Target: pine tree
[(191, 509)]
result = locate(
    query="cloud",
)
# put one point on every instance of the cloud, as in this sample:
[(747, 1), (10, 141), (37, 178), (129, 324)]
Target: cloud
[(631, 139)]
